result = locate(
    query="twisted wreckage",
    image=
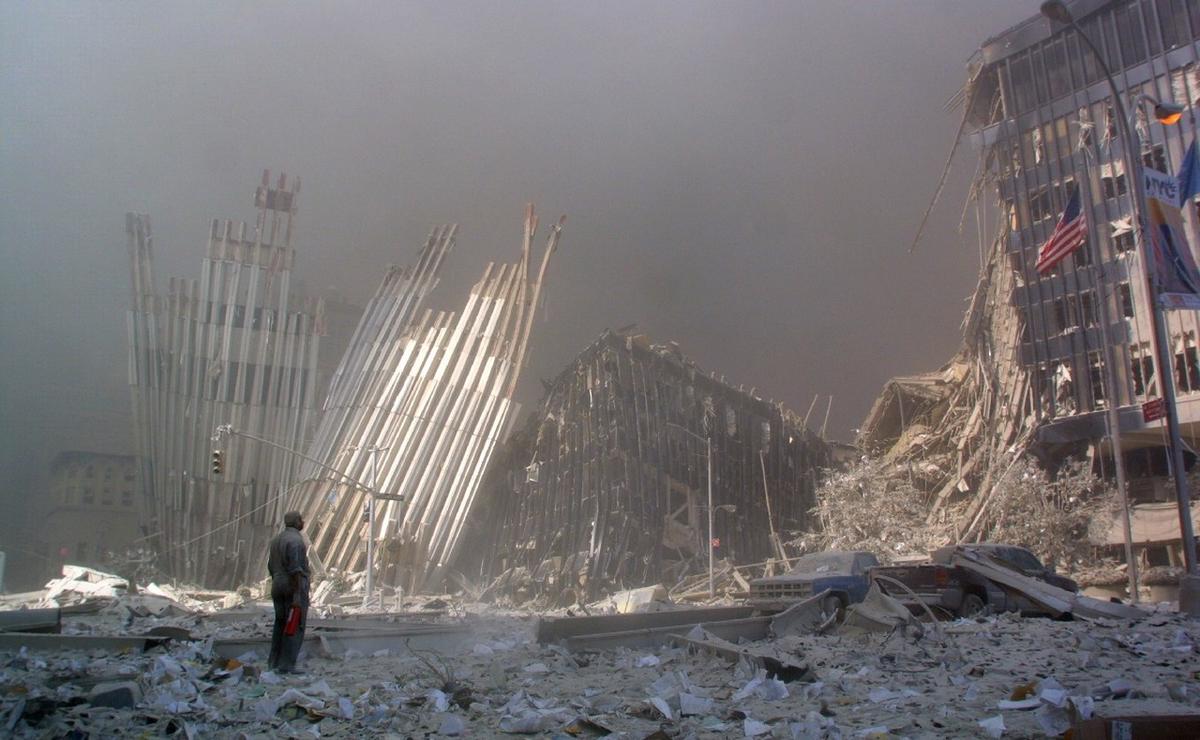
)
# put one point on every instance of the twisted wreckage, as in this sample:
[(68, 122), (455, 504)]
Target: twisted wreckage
[(636, 459), (609, 486)]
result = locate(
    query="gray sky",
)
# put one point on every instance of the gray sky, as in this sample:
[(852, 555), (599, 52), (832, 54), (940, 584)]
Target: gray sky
[(743, 178)]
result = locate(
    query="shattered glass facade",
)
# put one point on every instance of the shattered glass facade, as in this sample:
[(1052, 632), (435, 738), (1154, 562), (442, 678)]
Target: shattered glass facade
[(1041, 112)]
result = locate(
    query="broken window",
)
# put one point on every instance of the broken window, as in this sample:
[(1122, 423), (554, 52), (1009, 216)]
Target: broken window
[(1040, 206), (1011, 210), (1110, 124), (1096, 373), (1126, 296), (1112, 179), (1142, 370), (1087, 306), (1066, 313), (1123, 242), (1083, 255), (1187, 365), (1155, 157)]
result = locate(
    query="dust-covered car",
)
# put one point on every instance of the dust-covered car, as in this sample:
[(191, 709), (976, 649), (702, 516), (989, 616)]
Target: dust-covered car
[(841, 572)]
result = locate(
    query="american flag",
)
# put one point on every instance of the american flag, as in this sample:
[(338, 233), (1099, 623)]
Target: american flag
[(1070, 232)]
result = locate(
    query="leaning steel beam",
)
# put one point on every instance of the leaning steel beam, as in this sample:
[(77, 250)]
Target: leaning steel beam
[(431, 394)]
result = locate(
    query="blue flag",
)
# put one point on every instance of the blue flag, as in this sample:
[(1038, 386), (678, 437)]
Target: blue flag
[(1189, 175)]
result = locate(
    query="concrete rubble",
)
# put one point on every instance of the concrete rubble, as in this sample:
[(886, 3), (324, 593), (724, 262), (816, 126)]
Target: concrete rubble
[(449, 667)]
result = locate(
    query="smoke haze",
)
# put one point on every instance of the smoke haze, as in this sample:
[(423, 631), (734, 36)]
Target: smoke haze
[(743, 178)]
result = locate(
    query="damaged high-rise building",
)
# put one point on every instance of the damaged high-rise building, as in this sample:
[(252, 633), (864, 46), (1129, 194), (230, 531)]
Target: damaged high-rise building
[(1047, 353), (608, 485), (230, 348)]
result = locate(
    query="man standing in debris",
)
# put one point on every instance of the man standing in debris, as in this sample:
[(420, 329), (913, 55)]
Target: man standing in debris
[(287, 563)]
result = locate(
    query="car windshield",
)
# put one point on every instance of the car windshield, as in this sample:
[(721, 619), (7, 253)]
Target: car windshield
[(825, 562), (1023, 559)]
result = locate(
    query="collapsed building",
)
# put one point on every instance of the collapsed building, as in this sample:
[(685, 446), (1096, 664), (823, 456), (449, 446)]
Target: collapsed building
[(614, 483), (230, 348), (415, 409), (1046, 354)]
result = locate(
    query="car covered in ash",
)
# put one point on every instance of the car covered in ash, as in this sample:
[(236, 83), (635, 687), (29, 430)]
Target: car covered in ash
[(961, 592), (841, 572)]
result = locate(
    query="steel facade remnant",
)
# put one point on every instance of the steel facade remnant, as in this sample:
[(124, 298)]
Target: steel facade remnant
[(433, 393), (228, 349), (604, 490)]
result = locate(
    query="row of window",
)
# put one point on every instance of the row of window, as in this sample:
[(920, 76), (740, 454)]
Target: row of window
[(86, 496), (1041, 203), (260, 317), (89, 471), (1141, 372), (1122, 35), (1081, 311)]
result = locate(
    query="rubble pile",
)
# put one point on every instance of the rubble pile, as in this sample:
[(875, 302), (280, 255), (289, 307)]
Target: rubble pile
[(997, 675), (874, 506)]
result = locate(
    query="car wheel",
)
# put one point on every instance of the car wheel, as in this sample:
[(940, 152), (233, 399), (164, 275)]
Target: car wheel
[(831, 605), (972, 606)]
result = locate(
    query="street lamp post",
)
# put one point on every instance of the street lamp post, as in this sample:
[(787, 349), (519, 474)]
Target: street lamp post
[(373, 494), (712, 591), (1057, 11)]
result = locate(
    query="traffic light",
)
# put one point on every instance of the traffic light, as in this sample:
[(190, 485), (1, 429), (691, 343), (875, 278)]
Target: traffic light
[(218, 462)]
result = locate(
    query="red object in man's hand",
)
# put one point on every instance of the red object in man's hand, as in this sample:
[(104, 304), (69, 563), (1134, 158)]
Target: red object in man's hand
[(293, 621)]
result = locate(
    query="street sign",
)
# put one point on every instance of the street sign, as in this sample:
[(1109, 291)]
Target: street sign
[(1154, 410)]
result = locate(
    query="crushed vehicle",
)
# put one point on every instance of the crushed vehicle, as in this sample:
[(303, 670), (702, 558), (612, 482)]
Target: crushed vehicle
[(842, 573), (942, 584)]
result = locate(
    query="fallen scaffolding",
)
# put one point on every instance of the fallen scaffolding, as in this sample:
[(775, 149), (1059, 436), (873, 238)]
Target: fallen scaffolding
[(416, 408), (230, 348), (608, 489)]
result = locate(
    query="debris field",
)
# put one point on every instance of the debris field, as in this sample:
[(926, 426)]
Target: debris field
[(193, 666)]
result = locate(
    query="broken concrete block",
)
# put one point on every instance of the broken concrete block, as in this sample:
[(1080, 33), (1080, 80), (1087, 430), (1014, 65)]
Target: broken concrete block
[(640, 599), (115, 694)]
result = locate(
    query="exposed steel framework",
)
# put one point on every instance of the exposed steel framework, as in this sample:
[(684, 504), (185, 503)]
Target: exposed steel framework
[(227, 349)]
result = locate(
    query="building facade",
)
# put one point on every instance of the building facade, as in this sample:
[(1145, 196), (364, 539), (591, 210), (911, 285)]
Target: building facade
[(92, 511), (1041, 112)]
